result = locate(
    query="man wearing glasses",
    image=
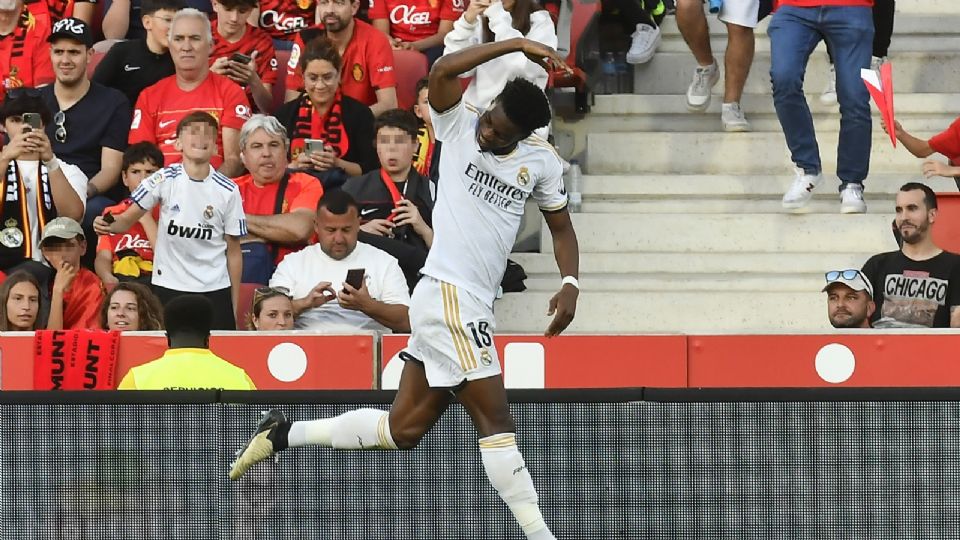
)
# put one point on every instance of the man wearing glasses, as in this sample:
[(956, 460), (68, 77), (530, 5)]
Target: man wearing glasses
[(90, 121), (849, 299), (917, 286)]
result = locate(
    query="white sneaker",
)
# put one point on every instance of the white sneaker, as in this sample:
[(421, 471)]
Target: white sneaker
[(829, 95), (733, 118), (851, 199), (645, 42), (801, 190), (698, 93)]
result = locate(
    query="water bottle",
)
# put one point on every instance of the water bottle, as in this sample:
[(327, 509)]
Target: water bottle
[(573, 182), (624, 74), (610, 74), (715, 6)]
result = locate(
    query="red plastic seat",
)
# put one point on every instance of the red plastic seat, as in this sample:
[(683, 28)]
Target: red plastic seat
[(410, 67)]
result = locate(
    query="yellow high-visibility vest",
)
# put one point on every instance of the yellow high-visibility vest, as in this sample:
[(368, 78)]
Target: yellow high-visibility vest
[(187, 369)]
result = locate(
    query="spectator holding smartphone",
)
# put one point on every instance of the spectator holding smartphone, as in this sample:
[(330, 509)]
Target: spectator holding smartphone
[(243, 53), (201, 222), (316, 276), (325, 114), (38, 187)]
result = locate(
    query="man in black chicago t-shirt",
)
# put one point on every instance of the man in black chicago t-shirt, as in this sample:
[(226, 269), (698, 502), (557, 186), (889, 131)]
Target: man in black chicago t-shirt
[(918, 286)]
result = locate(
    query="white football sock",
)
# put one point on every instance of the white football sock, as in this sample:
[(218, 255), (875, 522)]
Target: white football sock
[(367, 429), (508, 474)]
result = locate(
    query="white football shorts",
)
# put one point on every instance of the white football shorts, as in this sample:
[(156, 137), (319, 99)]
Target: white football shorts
[(451, 332), (740, 12)]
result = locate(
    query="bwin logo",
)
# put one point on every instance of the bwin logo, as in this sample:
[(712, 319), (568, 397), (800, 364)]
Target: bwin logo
[(200, 233)]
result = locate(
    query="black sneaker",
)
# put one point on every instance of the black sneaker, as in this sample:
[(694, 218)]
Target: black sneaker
[(263, 444)]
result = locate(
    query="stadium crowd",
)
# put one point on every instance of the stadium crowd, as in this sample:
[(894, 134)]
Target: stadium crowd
[(181, 155)]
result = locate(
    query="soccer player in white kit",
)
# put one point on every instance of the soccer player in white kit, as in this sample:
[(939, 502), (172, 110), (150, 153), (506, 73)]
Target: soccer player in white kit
[(490, 164)]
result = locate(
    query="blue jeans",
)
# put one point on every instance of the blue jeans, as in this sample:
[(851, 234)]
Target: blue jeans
[(794, 33)]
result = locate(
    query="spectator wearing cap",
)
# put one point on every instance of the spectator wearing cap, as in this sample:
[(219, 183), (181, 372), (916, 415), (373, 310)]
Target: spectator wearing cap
[(38, 186), (188, 363), (279, 204), (161, 107), (132, 65), (77, 292), (24, 51), (849, 299), (200, 225), (91, 121), (917, 286)]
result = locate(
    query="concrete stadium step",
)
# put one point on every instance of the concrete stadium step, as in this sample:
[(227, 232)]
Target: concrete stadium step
[(712, 233), (824, 204), (911, 32), (726, 153), (737, 187), (543, 265), (928, 6), (913, 72), (691, 282), (631, 112), (671, 311)]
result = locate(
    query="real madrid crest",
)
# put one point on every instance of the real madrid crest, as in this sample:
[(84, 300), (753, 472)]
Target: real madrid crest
[(485, 357), (523, 177), (208, 212), (11, 236)]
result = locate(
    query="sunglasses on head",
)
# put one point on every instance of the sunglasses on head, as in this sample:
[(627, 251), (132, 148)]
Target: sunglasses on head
[(262, 293), (849, 274)]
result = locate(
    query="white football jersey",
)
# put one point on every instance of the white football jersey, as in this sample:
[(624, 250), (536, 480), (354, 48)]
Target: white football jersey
[(191, 251), (480, 201)]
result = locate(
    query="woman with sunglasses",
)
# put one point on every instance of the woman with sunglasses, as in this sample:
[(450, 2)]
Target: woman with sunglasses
[(272, 310), (37, 186)]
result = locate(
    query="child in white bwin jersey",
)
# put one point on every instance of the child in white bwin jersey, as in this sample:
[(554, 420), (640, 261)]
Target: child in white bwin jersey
[(201, 222), (489, 167)]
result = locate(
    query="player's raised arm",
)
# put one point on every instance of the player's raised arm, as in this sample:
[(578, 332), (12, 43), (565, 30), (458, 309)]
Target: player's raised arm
[(445, 90)]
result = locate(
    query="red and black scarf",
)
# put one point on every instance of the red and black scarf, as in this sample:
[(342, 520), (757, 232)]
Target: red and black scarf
[(328, 127)]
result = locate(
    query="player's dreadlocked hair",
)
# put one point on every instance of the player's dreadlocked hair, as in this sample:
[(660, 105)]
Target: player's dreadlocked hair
[(525, 104)]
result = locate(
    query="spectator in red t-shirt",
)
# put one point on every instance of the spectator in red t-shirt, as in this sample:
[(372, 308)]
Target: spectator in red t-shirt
[(129, 255), (24, 51), (234, 39), (162, 106), (282, 20), (279, 204), (57, 10), (418, 25), (367, 74), (947, 143), (77, 292)]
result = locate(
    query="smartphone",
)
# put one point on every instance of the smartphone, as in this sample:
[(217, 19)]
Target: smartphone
[(240, 58), (313, 145), (32, 119), (108, 218), (355, 277)]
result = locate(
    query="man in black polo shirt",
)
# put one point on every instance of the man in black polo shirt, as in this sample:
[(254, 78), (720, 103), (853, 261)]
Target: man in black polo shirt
[(90, 121), (130, 66), (395, 200)]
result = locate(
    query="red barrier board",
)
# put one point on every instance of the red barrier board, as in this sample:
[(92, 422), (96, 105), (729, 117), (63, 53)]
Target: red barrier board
[(290, 361), (824, 360), (531, 361)]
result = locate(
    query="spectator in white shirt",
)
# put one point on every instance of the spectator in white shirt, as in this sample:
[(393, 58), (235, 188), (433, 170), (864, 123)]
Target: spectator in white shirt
[(316, 276)]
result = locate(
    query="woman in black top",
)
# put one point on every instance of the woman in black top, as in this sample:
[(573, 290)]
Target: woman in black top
[(322, 113)]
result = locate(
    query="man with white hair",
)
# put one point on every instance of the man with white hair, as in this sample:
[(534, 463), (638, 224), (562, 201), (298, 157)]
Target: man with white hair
[(24, 51), (193, 87), (279, 204)]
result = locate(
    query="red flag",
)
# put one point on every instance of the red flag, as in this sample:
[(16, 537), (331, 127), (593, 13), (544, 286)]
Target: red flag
[(881, 89)]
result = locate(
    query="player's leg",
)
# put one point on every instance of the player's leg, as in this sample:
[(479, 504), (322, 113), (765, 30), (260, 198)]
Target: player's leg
[(415, 410), (486, 402)]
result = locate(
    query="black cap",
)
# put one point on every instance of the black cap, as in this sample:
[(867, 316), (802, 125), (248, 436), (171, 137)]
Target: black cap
[(72, 28)]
